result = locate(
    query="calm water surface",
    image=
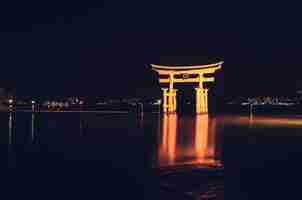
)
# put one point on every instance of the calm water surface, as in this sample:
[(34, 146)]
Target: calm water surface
[(172, 140), (260, 154)]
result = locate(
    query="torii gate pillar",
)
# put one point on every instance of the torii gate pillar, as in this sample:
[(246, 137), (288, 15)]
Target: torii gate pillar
[(169, 100), (201, 100)]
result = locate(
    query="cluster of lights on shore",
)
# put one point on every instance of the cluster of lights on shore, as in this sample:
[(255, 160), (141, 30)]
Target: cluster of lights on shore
[(11, 101)]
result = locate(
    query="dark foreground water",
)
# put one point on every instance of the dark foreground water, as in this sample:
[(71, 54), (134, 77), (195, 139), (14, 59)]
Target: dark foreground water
[(115, 156)]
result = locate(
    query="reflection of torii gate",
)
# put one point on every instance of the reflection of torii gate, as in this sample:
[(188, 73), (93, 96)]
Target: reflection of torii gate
[(199, 148), (185, 74)]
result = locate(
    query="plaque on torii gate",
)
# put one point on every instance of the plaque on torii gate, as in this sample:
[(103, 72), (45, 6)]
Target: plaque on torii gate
[(185, 74)]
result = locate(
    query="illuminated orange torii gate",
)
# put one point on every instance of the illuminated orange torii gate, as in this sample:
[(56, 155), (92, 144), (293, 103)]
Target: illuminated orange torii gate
[(185, 74)]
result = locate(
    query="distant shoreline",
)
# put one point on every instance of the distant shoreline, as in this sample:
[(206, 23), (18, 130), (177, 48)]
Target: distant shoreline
[(73, 111)]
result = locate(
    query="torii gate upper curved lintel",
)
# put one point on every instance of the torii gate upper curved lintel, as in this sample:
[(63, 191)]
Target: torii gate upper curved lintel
[(185, 74)]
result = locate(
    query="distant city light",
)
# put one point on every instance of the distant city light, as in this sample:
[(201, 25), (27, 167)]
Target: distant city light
[(33, 102), (10, 101)]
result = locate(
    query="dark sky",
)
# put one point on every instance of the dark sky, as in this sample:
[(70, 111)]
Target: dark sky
[(104, 48)]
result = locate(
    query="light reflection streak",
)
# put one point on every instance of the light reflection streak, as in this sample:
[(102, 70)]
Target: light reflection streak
[(10, 128), (201, 136), (265, 120), (11, 154), (169, 131), (205, 140), (187, 145), (32, 127)]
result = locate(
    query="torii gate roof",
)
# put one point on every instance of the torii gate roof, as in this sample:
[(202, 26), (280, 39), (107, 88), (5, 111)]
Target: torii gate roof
[(166, 69), (188, 67)]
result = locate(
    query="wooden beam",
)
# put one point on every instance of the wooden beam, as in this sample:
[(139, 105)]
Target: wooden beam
[(179, 72), (188, 80)]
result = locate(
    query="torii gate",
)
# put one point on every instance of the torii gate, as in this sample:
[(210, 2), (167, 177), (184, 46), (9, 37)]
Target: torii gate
[(185, 74)]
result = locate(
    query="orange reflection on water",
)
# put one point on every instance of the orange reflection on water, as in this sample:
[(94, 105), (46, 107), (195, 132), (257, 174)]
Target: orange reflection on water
[(205, 141), (169, 130), (201, 136), (265, 120), (187, 140)]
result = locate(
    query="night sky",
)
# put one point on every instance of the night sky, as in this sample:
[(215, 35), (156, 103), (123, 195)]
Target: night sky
[(76, 49)]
